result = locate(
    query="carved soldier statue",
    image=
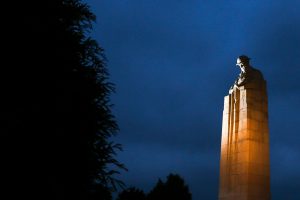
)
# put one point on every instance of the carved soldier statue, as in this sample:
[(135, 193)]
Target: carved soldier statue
[(248, 73)]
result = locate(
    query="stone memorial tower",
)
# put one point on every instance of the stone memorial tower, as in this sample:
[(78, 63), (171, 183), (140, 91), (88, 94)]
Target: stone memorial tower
[(244, 163)]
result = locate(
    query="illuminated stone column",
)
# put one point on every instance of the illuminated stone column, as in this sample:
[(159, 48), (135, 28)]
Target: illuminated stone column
[(244, 163)]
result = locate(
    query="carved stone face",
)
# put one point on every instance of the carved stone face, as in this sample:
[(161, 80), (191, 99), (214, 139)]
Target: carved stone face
[(241, 64)]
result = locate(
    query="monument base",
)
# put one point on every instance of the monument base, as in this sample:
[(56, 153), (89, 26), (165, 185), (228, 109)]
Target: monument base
[(244, 164)]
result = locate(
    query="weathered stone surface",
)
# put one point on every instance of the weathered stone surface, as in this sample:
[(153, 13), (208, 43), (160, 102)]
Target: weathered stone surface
[(244, 162)]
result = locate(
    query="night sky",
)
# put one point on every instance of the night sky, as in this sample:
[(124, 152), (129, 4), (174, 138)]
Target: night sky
[(173, 61)]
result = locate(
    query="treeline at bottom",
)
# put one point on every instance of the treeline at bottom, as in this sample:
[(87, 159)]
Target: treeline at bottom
[(174, 188)]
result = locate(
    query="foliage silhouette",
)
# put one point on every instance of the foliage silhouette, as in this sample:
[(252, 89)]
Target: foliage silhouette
[(131, 193), (56, 107), (173, 189)]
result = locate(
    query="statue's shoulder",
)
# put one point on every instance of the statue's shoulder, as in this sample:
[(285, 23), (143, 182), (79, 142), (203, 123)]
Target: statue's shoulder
[(256, 73)]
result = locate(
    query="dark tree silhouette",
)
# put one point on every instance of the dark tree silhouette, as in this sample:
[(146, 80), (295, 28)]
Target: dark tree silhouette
[(174, 188), (55, 104), (132, 193)]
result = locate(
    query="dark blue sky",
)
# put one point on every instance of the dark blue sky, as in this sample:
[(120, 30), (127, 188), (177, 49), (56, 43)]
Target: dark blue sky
[(173, 61)]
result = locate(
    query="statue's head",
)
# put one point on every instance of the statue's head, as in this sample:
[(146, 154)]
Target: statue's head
[(243, 62)]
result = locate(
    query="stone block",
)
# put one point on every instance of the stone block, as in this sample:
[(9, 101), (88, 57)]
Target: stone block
[(256, 115), (243, 177), (242, 135), (243, 157), (255, 135), (254, 180), (244, 146), (253, 124), (241, 169), (243, 124), (254, 94)]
